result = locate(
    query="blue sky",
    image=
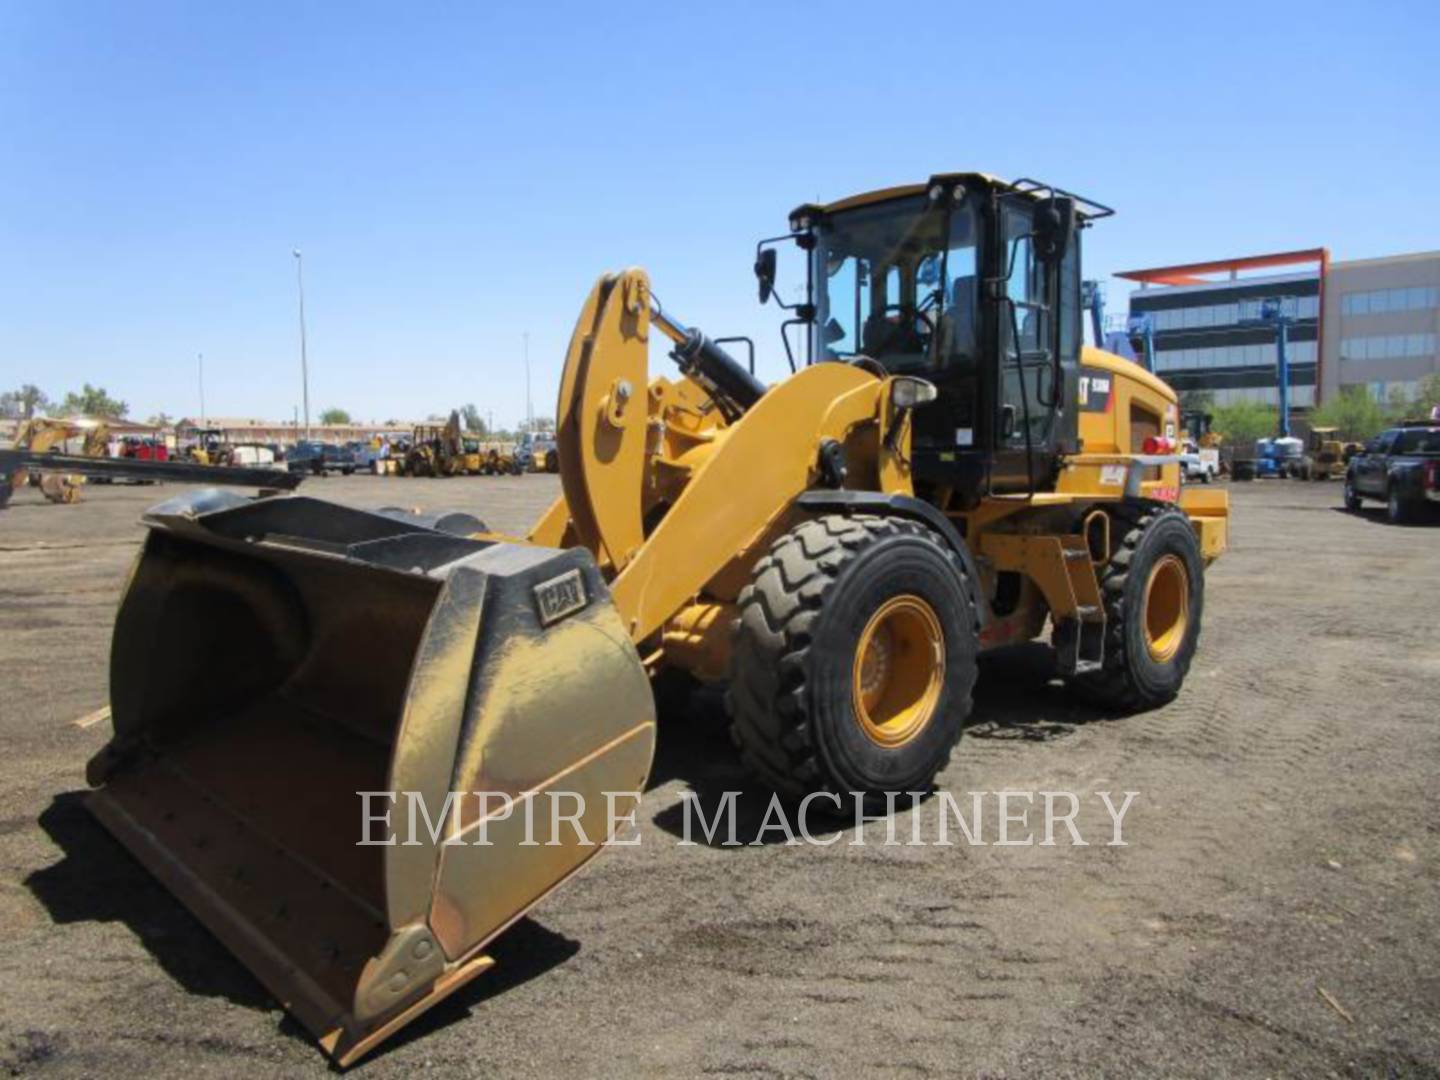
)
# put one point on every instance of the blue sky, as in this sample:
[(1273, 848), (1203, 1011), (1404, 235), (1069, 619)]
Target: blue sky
[(458, 174)]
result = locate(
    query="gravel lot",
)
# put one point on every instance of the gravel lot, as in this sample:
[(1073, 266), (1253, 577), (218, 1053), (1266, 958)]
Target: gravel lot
[(1274, 913)]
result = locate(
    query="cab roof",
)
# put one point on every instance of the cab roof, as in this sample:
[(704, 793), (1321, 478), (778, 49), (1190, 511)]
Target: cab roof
[(1085, 208)]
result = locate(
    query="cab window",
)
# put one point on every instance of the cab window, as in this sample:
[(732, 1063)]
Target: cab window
[(1028, 369)]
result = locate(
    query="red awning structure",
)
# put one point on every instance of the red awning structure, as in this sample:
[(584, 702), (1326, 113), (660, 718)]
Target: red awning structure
[(1194, 273)]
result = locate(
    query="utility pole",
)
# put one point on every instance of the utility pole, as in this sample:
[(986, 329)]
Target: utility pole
[(304, 360), (529, 408), (202, 389)]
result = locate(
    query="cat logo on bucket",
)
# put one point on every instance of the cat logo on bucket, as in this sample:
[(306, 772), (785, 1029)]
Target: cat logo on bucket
[(560, 596)]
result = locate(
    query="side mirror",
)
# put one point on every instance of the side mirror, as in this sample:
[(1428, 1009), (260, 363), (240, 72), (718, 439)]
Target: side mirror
[(1054, 226), (1007, 421), (833, 330), (765, 273)]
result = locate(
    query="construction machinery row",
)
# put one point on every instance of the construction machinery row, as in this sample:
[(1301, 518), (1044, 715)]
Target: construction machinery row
[(1323, 456), (947, 470), (448, 450)]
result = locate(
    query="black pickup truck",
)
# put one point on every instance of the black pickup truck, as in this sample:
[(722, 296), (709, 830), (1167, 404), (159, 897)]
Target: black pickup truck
[(1401, 467)]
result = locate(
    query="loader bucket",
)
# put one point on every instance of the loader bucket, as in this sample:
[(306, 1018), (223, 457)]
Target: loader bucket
[(274, 659)]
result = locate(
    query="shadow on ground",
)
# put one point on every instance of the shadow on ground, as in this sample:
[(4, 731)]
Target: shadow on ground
[(96, 880), (1423, 516), (1017, 697), (1020, 696)]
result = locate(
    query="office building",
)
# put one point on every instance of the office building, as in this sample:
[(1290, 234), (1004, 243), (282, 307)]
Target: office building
[(1382, 318), (1205, 321)]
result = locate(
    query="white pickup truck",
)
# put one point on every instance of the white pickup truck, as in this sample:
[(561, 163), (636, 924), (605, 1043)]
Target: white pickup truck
[(1198, 464)]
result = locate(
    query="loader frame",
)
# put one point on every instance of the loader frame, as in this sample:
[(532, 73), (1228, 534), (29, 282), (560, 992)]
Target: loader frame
[(791, 540)]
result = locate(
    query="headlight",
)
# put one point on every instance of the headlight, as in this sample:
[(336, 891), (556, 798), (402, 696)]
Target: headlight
[(906, 392)]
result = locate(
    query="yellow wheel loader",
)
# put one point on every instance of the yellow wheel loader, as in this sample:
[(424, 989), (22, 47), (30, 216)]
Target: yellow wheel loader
[(1329, 455), (43, 434), (947, 470)]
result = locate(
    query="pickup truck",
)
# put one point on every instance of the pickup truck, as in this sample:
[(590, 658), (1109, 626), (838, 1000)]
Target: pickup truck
[(1401, 467), (1198, 464), (319, 458)]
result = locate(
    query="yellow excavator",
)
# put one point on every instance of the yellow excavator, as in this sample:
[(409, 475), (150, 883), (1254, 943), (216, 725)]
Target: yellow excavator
[(45, 434), (946, 470)]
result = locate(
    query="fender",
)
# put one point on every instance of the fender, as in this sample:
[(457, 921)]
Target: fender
[(906, 506)]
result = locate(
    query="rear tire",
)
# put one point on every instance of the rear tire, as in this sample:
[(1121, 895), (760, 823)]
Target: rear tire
[(1398, 510), (1154, 590), (854, 658)]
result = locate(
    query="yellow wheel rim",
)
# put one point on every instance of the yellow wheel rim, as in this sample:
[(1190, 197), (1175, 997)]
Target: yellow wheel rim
[(899, 671), (1167, 607)]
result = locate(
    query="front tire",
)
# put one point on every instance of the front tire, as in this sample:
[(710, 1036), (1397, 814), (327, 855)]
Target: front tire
[(1153, 589), (854, 658), (1353, 502)]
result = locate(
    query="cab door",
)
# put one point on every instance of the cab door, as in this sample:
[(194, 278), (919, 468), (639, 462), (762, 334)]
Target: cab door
[(1038, 332)]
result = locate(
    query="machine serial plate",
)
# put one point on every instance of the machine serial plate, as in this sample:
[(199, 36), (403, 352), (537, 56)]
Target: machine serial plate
[(560, 596)]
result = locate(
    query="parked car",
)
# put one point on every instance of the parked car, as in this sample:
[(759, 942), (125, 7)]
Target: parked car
[(362, 455), (1401, 467), (144, 449), (320, 458)]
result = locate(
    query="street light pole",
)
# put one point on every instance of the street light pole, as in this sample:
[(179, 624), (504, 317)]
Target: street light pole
[(202, 389), (304, 360), (529, 408)]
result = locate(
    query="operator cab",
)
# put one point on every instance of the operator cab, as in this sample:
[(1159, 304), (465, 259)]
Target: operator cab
[(972, 284)]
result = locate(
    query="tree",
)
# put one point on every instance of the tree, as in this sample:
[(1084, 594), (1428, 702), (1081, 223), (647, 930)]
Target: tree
[(1245, 421), (24, 403), (473, 421), (1428, 398), (160, 419), (93, 401), (335, 416), (1399, 405), (1354, 411), (1201, 401)]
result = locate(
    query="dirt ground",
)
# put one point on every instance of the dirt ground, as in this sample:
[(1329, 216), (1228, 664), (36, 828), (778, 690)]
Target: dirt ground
[(1274, 913)]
